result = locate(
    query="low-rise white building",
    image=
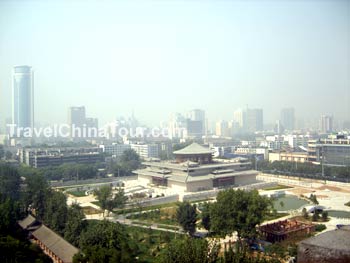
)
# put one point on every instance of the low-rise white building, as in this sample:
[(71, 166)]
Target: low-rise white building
[(115, 149), (146, 150)]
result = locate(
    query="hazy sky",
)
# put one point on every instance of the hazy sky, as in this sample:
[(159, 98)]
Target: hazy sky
[(158, 57)]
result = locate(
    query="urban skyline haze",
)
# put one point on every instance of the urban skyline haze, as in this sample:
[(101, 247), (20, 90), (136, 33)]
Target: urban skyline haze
[(155, 58)]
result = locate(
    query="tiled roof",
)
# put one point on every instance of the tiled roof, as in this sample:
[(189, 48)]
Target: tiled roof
[(27, 222), (55, 243), (194, 148)]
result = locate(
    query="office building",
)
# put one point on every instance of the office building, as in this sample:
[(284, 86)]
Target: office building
[(254, 120), (23, 97), (115, 149), (77, 116), (198, 116), (222, 129), (288, 118), (332, 151), (239, 118), (43, 157), (146, 150)]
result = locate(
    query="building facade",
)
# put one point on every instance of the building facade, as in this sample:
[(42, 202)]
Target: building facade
[(194, 170), (288, 118), (23, 97), (331, 151)]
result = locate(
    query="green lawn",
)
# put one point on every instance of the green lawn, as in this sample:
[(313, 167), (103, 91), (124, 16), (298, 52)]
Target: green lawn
[(277, 187), (144, 208), (77, 193), (273, 216), (150, 242), (161, 216)]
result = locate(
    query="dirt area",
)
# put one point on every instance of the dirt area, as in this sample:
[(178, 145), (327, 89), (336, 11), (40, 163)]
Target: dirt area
[(88, 210), (322, 196), (334, 188), (301, 191)]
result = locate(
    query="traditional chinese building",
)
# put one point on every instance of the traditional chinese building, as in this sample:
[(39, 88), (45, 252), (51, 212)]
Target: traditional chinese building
[(194, 170), (52, 244)]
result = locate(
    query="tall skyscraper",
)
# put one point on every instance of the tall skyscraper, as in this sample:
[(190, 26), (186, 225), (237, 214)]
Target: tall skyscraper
[(222, 129), (326, 124), (254, 120), (23, 97), (197, 115), (77, 116), (239, 118), (288, 118), (76, 120)]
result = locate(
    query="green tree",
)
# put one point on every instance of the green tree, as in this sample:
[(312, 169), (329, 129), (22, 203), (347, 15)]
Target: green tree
[(105, 241), (36, 194), (240, 211), (324, 215), (2, 151), (8, 155), (190, 250), (55, 211), (313, 199), (186, 216), (9, 182), (75, 224), (119, 199), (103, 195), (108, 201), (304, 213), (206, 216), (127, 162)]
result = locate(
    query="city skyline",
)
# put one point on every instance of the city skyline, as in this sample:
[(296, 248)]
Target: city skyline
[(217, 57)]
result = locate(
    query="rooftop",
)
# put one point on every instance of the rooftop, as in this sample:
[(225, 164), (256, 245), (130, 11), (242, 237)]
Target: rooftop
[(27, 222), (194, 148), (338, 239), (59, 246)]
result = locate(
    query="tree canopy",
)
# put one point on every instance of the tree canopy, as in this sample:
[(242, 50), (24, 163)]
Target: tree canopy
[(240, 211), (186, 216)]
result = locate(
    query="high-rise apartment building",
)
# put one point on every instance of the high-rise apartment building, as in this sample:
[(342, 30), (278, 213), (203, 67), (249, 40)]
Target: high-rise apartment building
[(326, 124), (288, 118), (222, 129), (197, 115), (23, 97), (239, 118), (254, 120), (249, 120)]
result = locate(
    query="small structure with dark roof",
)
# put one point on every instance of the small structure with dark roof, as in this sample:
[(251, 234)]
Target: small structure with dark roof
[(331, 246), (194, 153), (29, 223)]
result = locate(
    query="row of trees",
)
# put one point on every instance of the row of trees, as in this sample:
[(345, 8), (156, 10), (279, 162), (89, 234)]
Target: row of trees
[(125, 164), (5, 154), (99, 241), (191, 250), (109, 200), (302, 169), (234, 211), (14, 247)]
